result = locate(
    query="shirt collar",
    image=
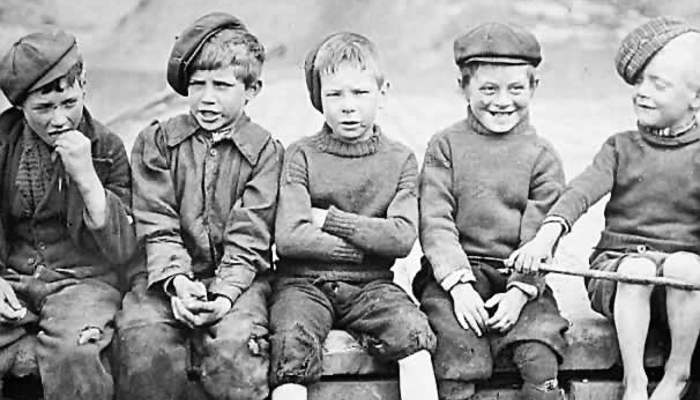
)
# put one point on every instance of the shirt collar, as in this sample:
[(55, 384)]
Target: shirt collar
[(245, 135)]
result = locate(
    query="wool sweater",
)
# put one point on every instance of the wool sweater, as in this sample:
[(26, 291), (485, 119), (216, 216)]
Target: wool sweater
[(369, 190), (654, 186), (483, 194), (205, 206)]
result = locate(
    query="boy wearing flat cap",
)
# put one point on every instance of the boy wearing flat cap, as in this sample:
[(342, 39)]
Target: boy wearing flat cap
[(205, 192), (486, 184), (65, 219), (347, 210), (651, 219)]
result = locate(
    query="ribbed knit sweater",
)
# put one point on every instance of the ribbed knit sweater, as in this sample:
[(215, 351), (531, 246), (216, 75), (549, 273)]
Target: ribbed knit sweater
[(654, 186), (484, 193), (369, 189)]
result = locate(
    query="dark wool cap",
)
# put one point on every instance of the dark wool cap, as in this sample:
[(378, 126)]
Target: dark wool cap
[(35, 60), (313, 78), (496, 42), (640, 45), (190, 41)]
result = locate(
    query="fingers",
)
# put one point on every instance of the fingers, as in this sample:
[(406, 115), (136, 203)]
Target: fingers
[(462, 320), (9, 295), (473, 325), (11, 314), (55, 286), (494, 300), (181, 313)]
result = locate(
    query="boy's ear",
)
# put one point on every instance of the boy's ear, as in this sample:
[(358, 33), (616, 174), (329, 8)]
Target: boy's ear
[(383, 90), (252, 90)]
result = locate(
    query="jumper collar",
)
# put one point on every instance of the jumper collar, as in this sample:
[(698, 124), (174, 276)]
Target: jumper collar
[(326, 142), (665, 137)]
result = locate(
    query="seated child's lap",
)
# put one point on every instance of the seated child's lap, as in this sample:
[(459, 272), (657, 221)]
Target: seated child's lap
[(601, 292), (540, 319), (378, 313)]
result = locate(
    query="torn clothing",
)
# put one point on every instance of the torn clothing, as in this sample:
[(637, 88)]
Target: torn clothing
[(205, 207), (70, 368), (463, 356), (484, 194), (52, 232), (379, 314), (157, 354)]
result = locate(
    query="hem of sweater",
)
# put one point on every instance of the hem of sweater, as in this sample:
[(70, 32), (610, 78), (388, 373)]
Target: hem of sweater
[(334, 271), (627, 241)]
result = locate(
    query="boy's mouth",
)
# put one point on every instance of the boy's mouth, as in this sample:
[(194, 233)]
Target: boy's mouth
[(351, 124), (501, 113), (208, 115)]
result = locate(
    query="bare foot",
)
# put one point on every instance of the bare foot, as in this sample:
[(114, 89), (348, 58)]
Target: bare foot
[(671, 387)]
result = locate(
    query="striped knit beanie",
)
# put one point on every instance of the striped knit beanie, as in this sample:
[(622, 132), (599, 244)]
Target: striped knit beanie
[(640, 45)]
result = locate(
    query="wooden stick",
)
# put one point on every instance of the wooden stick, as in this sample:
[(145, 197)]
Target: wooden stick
[(609, 275)]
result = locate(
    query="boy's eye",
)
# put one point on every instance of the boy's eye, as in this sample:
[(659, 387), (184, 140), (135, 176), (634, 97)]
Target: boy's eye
[(332, 94), (487, 90), (196, 83), (361, 92), (517, 89), (70, 102), (223, 84)]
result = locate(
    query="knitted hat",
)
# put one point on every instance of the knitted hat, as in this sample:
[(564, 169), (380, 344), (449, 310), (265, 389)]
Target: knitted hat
[(496, 42), (640, 45), (190, 41), (35, 60)]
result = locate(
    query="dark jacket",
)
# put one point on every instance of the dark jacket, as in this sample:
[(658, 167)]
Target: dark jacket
[(205, 208), (55, 236)]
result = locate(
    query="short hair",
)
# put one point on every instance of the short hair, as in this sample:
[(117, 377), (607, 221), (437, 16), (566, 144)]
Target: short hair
[(351, 49), (232, 47), (468, 70), (70, 77)]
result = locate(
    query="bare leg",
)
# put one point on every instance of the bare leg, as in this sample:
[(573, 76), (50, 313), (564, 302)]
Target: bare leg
[(290, 391), (416, 377), (683, 309), (632, 313)]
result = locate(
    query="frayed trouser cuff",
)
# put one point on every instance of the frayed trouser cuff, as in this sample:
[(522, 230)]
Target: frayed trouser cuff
[(547, 390)]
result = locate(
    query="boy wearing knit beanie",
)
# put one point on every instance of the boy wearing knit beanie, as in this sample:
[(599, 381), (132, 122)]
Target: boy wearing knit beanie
[(205, 193), (347, 210), (486, 184), (65, 221), (651, 219)]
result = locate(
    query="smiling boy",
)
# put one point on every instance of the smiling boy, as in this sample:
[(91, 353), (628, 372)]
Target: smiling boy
[(486, 184), (65, 219), (205, 192), (347, 210), (651, 220)]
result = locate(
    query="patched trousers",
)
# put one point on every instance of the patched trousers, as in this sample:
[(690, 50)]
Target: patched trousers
[(69, 331), (161, 358)]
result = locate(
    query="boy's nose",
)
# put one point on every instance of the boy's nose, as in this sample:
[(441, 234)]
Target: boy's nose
[(207, 94), (59, 120), (503, 99)]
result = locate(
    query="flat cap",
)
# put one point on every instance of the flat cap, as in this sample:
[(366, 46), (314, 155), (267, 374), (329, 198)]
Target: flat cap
[(640, 45), (190, 41), (35, 60), (497, 42)]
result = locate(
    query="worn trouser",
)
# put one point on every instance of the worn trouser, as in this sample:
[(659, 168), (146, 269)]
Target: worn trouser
[(160, 358), (68, 369), (536, 341), (379, 314)]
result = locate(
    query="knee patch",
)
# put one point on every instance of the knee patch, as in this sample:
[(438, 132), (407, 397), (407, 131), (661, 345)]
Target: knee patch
[(296, 356), (537, 363)]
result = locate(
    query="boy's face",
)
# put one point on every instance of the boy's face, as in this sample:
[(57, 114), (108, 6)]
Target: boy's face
[(50, 114), (350, 98), (217, 97), (499, 95), (663, 97)]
